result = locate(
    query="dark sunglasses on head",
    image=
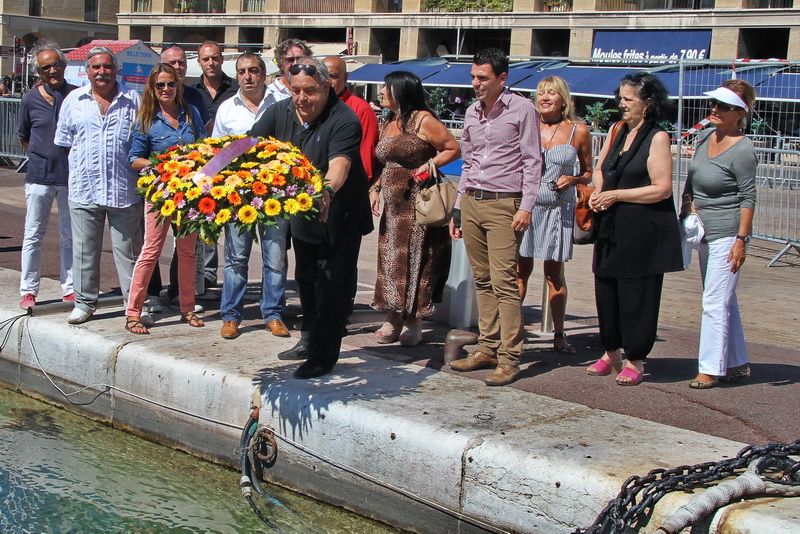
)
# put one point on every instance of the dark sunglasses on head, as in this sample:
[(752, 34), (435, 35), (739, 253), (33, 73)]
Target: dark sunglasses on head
[(721, 106), (309, 69), (161, 85), (56, 65)]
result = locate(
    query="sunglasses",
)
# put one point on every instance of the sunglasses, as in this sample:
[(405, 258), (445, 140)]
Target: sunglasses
[(57, 65), (295, 69), (161, 85), (721, 106), (291, 59)]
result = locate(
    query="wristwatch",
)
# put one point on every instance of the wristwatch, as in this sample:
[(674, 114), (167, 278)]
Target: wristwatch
[(745, 238)]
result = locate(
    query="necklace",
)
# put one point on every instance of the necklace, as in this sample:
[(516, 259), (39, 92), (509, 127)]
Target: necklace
[(558, 125), (103, 108)]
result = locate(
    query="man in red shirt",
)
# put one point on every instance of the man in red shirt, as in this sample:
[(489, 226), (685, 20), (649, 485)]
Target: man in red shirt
[(369, 122)]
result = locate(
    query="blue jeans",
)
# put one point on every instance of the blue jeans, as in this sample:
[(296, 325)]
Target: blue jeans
[(273, 280)]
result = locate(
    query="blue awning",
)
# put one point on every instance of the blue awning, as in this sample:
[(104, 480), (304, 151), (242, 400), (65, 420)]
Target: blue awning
[(453, 75), (582, 81), (375, 72)]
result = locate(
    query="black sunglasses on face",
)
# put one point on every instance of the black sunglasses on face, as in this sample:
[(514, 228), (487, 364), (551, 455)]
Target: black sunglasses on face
[(161, 85), (721, 106), (57, 65), (309, 69)]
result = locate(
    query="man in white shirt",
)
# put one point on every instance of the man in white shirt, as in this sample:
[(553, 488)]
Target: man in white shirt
[(95, 123), (236, 116), (286, 53)]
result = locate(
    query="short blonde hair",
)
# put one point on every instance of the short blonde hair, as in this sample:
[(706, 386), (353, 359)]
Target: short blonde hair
[(561, 87)]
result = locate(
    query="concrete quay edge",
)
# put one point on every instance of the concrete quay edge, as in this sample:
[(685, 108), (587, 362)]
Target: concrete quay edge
[(514, 461)]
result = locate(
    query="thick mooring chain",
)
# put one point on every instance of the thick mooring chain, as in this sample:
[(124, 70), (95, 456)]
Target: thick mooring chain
[(639, 495)]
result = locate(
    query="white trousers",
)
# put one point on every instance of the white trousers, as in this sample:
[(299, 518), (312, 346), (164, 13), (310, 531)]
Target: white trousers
[(39, 202), (721, 337)]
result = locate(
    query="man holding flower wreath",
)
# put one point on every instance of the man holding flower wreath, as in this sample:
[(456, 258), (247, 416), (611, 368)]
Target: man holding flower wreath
[(326, 249)]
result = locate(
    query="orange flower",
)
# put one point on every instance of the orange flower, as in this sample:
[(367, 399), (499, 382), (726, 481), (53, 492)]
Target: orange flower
[(259, 188), (278, 180), (300, 173), (243, 174), (234, 198), (167, 176), (194, 155), (178, 198), (206, 205), (160, 167), (162, 157), (217, 178)]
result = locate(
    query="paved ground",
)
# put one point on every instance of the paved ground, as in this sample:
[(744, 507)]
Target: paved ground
[(759, 410)]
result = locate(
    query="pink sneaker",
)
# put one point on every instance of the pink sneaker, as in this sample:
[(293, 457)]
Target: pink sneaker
[(69, 298), (28, 301)]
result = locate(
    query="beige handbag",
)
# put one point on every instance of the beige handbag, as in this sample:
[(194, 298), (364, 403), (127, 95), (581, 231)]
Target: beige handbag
[(434, 204)]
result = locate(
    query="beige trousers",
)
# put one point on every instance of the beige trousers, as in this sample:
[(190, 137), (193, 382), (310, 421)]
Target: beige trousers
[(492, 248)]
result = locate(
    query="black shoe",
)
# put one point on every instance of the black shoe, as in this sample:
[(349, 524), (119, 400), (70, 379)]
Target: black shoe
[(298, 352), (311, 369)]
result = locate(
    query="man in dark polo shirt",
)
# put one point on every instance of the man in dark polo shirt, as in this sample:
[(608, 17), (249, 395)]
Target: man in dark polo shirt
[(215, 86), (48, 172), (326, 249)]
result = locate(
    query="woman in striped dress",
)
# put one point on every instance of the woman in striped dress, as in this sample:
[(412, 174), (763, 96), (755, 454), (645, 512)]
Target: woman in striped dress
[(566, 145)]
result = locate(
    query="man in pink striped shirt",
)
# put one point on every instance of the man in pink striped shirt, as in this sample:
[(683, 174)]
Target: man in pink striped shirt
[(499, 182)]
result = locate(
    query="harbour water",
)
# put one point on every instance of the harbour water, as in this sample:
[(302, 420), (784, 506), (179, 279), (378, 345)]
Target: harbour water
[(62, 473)]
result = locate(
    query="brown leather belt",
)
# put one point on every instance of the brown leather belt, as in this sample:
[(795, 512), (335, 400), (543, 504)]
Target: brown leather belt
[(480, 194)]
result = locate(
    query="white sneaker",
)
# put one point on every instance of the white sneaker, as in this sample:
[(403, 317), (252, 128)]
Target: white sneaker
[(78, 316), (147, 319), (152, 305)]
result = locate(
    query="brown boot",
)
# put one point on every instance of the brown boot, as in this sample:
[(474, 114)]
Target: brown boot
[(455, 341), (502, 375), (476, 360)]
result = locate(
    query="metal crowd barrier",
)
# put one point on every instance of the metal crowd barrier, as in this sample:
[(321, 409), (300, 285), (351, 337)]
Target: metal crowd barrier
[(777, 216), (10, 146)]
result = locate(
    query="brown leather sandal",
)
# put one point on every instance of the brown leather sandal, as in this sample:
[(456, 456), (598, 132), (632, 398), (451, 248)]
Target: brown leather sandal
[(192, 319), (134, 325)]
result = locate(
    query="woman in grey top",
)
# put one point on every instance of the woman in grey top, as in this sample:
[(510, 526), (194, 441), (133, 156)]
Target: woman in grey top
[(721, 190)]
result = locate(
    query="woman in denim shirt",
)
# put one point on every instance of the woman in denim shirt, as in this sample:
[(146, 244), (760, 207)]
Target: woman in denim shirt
[(164, 120)]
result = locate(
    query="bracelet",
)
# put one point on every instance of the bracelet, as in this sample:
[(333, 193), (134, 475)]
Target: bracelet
[(330, 190), (375, 188)]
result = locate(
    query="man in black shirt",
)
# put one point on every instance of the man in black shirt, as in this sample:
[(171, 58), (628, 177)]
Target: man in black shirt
[(215, 86), (326, 248)]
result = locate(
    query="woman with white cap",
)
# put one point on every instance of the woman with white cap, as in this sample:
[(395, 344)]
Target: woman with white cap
[(721, 189)]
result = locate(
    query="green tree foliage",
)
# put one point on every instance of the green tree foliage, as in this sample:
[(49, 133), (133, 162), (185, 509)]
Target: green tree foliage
[(468, 5), (438, 102), (597, 116)]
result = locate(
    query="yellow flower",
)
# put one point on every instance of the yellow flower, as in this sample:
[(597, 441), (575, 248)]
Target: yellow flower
[(264, 154), (286, 158), (217, 192), (317, 183), (223, 216), (173, 185), (205, 149), (277, 166), (272, 207), (248, 164), (177, 218), (193, 193), (247, 214), (171, 166), (144, 181), (168, 208), (156, 196), (304, 201), (291, 206)]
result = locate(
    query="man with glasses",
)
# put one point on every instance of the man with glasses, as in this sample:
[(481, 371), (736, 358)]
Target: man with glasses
[(95, 123), (235, 117), (47, 173), (326, 248), (286, 53)]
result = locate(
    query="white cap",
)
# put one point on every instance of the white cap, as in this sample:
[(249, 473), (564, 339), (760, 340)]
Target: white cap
[(723, 94)]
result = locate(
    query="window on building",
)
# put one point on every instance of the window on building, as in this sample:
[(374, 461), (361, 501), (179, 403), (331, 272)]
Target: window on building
[(142, 6), (35, 8), (252, 6), (752, 44), (90, 8)]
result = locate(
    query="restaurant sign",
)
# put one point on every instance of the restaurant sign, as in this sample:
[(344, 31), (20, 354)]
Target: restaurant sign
[(639, 47)]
